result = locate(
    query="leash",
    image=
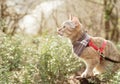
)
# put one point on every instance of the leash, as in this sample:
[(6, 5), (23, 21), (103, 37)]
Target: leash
[(106, 58)]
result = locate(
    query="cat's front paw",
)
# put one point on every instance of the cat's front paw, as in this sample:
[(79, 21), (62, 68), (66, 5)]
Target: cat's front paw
[(86, 74)]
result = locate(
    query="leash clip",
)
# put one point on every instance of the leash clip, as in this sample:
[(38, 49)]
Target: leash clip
[(100, 53)]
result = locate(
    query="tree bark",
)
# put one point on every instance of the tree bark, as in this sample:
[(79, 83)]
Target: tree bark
[(111, 20)]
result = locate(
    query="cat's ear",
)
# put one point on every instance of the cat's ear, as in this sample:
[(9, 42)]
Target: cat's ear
[(76, 21), (70, 17)]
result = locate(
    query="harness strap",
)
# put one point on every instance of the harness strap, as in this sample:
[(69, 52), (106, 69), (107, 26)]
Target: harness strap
[(98, 49), (103, 46), (93, 45), (81, 44)]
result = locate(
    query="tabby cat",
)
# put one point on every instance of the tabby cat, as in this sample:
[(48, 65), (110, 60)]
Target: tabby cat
[(74, 30)]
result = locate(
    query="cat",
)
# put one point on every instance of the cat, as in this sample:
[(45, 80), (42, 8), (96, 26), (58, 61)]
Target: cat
[(74, 30)]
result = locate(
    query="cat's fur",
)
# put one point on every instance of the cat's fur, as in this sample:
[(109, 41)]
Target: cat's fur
[(73, 29)]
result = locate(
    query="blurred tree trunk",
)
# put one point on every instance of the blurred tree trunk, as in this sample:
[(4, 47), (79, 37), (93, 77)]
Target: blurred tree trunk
[(2, 15), (115, 31), (9, 18), (7, 23), (111, 20)]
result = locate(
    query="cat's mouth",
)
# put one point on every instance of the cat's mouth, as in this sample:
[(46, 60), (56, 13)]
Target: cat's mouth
[(60, 33)]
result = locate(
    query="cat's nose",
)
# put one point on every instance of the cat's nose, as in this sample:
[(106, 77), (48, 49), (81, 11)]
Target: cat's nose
[(59, 31)]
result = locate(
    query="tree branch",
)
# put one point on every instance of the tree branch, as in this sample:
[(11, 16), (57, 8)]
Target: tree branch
[(94, 2)]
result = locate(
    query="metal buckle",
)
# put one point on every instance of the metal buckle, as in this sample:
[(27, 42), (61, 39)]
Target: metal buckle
[(100, 53), (84, 42)]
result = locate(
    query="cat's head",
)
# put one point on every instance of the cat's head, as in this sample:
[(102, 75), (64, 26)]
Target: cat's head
[(70, 27)]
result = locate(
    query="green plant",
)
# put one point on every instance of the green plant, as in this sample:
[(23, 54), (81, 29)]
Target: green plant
[(56, 60), (40, 60), (47, 59)]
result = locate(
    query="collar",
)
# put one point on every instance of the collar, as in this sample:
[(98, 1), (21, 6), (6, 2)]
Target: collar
[(81, 44), (84, 36)]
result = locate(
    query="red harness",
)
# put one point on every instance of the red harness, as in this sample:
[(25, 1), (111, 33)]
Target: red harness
[(96, 48)]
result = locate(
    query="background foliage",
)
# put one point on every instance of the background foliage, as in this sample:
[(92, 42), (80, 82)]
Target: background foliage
[(40, 60)]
